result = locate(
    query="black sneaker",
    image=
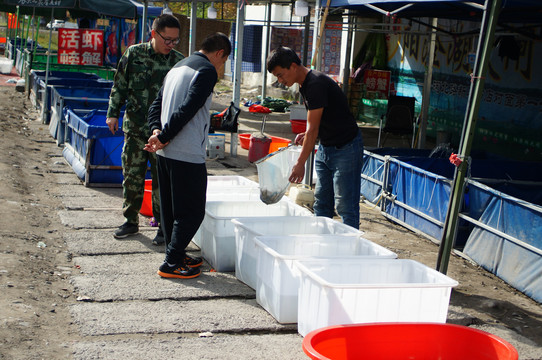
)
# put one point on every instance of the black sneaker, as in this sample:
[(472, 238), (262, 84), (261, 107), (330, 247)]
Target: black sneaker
[(125, 230), (178, 271), (159, 238), (193, 261)]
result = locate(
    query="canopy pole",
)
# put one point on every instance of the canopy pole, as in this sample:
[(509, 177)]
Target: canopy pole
[(485, 44), (266, 49), (27, 28), (14, 54), (348, 57), (238, 61), (34, 31), (315, 29), (44, 110), (304, 54), (309, 164), (320, 34), (424, 115), (193, 20), (144, 22)]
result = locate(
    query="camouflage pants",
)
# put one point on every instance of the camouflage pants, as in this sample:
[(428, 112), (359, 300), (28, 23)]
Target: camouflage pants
[(134, 168)]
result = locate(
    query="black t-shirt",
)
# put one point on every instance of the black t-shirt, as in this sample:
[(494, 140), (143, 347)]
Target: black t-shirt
[(338, 125)]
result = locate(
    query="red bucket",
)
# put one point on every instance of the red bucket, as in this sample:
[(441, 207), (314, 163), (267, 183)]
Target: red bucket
[(244, 141), (146, 206), (406, 341), (259, 147), (298, 126)]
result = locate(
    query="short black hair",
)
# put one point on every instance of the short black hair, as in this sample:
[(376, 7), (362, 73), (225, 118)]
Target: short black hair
[(283, 57), (165, 20), (215, 42)]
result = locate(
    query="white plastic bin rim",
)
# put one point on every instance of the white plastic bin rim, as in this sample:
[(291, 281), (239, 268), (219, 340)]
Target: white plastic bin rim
[(244, 222), (263, 243), (292, 207), (229, 181), (302, 266)]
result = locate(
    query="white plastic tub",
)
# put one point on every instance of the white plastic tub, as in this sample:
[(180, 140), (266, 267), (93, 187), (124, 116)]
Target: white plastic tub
[(278, 278), (228, 182), (366, 291), (247, 229), (228, 187), (217, 230)]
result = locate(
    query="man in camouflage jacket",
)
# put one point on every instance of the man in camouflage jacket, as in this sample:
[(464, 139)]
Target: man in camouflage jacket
[(138, 80)]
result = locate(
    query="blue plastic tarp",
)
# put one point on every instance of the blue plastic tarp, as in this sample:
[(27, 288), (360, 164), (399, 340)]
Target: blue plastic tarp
[(423, 191), (508, 176), (372, 177), (520, 266), (151, 10)]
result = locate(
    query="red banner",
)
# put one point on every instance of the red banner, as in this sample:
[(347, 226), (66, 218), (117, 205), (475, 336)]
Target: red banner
[(80, 46), (12, 21), (378, 81)]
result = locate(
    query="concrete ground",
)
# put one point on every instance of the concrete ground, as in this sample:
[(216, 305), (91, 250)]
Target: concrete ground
[(125, 310)]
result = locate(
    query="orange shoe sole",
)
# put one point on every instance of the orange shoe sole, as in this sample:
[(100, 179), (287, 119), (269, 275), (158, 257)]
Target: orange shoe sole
[(177, 276)]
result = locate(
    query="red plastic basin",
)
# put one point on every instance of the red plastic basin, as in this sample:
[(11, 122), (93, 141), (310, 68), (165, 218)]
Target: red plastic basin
[(146, 206), (277, 143), (396, 341)]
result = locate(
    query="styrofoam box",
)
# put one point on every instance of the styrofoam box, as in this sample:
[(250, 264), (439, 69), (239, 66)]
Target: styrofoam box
[(278, 278), (298, 112), (6, 66), (364, 291), (217, 230), (247, 229)]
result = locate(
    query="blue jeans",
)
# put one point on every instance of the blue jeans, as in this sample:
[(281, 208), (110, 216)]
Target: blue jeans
[(339, 181)]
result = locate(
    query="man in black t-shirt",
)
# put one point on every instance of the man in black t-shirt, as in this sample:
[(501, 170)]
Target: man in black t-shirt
[(339, 157)]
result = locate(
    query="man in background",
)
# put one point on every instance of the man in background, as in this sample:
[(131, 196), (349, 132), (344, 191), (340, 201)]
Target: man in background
[(339, 158)]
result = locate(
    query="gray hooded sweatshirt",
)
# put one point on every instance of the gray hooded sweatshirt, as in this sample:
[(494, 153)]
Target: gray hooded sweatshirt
[(181, 109)]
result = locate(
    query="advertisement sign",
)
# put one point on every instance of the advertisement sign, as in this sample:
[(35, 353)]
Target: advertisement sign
[(378, 81), (80, 46)]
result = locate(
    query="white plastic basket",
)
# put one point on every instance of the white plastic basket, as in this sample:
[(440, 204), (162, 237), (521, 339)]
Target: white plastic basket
[(228, 187), (278, 278), (365, 291), (217, 230), (247, 229)]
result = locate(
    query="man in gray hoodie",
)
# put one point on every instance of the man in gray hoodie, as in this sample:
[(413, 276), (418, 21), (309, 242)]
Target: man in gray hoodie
[(179, 121)]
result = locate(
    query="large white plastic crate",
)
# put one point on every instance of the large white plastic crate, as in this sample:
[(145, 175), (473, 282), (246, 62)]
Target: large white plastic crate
[(365, 291), (278, 279), (217, 230), (247, 229), (228, 187), (228, 182)]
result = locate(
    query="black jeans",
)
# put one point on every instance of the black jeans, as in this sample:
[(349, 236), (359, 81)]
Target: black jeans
[(183, 187)]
